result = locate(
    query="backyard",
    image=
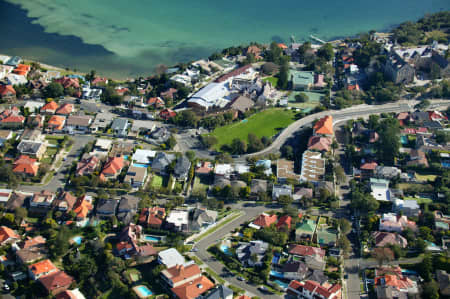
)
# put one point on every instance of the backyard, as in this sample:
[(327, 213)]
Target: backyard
[(266, 123)]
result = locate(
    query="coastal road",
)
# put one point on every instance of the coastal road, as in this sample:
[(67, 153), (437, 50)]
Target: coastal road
[(340, 115), (218, 267)]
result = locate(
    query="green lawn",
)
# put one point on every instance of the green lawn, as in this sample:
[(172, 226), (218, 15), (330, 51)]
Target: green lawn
[(419, 200), (425, 178), (272, 80), (51, 151), (265, 123), (157, 181), (200, 184)]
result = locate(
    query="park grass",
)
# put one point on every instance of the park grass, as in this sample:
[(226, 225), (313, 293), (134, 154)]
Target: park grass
[(157, 181), (266, 123), (272, 80)]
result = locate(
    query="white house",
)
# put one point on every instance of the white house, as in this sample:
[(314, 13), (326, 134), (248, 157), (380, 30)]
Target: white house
[(212, 95), (142, 156)]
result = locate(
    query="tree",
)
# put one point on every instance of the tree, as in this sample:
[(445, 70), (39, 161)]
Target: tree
[(285, 200), (238, 146), (20, 214), (208, 141), (283, 76), (430, 290), (426, 267), (340, 174), (171, 142), (303, 50), (53, 90), (383, 255), (388, 144), (90, 76), (301, 97), (344, 244), (442, 137), (326, 52), (254, 143), (344, 225), (288, 152), (190, 155), (110, 96), (186, 118), (270, 68), (363, 202)]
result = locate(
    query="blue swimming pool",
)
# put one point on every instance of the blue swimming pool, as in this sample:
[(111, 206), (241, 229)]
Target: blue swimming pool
[(152, 238), (140, 165), (404, 139), (77, 240), (409, 272), (275, 259), (225, 249), (144, 291), (284, 285), (446, 164), (276, 274)]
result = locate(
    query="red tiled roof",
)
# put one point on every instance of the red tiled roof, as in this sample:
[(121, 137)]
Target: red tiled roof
[(25, 164), (67, 82), (303, 250), (398, 282), (324, 126), (50, 106), (7, 233), (157, 101), (265, 220), (82, 208), (31, 242), (179, 272), (319, 143), (56, 122), (282, 46), (14, 119), (205, 168), (167, 113), (194, 288), (41, 267), (369, 166), (56, 280), (7, 89), (113, 166), (65, 109), (284, 221)]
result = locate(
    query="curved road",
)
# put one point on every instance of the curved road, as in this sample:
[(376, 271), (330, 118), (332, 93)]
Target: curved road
[(218, 267), (344, 114)]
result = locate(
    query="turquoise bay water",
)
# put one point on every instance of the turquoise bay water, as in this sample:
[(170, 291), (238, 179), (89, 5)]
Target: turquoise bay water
[(131, 37)]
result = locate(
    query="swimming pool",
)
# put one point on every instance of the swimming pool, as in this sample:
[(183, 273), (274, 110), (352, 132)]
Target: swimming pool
[(404, 139), (276, 274), (275, 259), (140, 165), (143, 291), (77, 240), (125, 157), (152, 238), (284, 285), (225, 249)]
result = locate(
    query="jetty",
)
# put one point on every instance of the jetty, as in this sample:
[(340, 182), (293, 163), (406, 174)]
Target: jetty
[(317, 39)]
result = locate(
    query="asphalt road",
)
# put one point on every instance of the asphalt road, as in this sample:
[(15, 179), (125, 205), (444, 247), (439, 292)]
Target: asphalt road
[(58, 180), (339, 115), (216, 266)]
